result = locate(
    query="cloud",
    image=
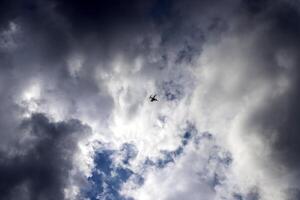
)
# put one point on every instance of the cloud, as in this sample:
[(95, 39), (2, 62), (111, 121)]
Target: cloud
[(40, 164), (198, 169), (248, 86), (225, 74)]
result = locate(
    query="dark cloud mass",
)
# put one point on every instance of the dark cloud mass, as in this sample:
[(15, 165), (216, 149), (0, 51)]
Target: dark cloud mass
[(40, 168), (72, 69)]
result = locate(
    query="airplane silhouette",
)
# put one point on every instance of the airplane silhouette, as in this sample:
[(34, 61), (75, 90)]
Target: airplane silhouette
[(152, 98)]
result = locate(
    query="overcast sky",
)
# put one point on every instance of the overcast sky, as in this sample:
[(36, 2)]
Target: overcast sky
[(76, 122)]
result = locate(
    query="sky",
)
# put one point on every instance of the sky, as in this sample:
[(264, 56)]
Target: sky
[(76, 122)]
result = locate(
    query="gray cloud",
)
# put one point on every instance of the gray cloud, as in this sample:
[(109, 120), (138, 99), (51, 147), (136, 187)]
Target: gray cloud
[(279, 115), (41, 165)]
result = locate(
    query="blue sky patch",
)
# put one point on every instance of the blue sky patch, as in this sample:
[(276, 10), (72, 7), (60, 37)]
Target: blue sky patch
[(107, 177)]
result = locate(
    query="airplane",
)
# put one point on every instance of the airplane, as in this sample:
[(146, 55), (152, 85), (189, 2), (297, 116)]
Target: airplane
[(152, 98)]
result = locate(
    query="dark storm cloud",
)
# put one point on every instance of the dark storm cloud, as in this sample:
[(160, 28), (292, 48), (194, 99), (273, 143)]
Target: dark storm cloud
[(111, 26), (100, 16), (8, 11), (100, 29), (41, 167)]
